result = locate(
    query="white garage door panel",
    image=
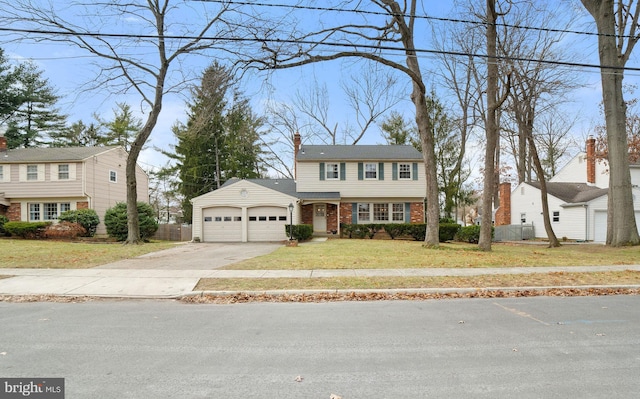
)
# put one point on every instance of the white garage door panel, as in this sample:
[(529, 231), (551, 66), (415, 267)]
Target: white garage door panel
[(600, 233), (222, 224), (267, 223)]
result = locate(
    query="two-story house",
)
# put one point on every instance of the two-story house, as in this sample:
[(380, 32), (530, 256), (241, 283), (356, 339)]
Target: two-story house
[(37, 184), (577, 198), (334, 184)]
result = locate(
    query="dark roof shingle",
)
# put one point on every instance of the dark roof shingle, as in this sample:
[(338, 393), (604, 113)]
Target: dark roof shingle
[(573, 193), (58, 154), (358, 153)]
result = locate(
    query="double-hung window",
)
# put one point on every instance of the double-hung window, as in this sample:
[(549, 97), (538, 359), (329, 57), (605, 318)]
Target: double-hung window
[(332, 171), (113, 176), (404, 171), (380, 212), (364, 212), (397, 214), (1, 172), (556, 216), (32, 172), (50, 211), (63, 172), (371, 171), (34, 212)]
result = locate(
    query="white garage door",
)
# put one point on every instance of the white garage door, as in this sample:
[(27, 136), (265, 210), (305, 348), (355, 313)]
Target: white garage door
[(600, 234), (222, 224), (267, 223)]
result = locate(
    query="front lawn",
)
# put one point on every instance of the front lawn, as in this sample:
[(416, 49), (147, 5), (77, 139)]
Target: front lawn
[(36, 254), (399, 254)]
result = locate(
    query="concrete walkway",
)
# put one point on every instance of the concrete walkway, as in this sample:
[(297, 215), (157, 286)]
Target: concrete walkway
[(148, 283)]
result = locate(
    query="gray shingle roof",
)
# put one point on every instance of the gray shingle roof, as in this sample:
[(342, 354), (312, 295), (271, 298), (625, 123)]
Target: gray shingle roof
[(62, 154), (358, 153), (573, 193), (288, 187)]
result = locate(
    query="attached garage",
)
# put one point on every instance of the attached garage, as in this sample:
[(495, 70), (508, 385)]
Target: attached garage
[(222, 224), (245, 210), (600, 225), (267, 223)]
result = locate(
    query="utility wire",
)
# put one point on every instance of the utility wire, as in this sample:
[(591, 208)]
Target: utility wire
[(350, 46), (426, 17)]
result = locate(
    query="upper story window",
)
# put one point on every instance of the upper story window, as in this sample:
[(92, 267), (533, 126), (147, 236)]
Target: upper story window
[(332, 171), (32, 172), (370, 170), (556, 216), (113, 176), (404, 171), (63, 172), (1, 173)]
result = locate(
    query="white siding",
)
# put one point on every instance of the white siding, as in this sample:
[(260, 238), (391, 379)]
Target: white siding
[(242, 195), (308, 180), (575, 171), (6, 174)]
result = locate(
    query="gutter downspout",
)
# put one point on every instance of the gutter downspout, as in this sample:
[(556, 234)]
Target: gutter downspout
[(586, 222)]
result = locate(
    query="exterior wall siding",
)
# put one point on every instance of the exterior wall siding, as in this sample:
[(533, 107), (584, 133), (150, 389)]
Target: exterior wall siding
[(308, 180), (48, 187), (242, 195)]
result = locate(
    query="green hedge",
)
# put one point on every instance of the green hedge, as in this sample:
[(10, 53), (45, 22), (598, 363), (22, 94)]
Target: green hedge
[(3, 220), (115, 219), (26, 229), (470, 234), (301, 232), (417, 231), (87, 218)]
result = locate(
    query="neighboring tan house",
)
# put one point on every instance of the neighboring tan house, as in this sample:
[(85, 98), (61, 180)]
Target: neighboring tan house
[(577, 197), (37, 184), (334, 184)]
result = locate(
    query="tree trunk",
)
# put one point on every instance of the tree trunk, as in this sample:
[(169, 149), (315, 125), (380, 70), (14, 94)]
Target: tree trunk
[(621, 223), (553, 240), (491, 130)]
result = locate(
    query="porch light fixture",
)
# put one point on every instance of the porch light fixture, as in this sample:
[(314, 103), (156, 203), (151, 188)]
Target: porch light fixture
[(290, 221)]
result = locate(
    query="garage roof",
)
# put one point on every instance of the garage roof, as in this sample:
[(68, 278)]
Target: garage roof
[(288, 187), (573, 192)]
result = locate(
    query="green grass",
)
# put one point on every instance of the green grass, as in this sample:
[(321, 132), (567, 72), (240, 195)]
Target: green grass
[(338, 283), (36, 254), (398, 254)]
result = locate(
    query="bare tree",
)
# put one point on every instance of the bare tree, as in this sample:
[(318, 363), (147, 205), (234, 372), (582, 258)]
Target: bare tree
[(552, 136), (392, 24), (617, 25), (168, 29)]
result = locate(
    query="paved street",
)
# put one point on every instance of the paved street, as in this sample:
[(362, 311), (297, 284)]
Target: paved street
[(582, 347)]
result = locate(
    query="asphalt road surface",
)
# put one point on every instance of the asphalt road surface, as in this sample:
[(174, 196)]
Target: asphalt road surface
[(544, 347)]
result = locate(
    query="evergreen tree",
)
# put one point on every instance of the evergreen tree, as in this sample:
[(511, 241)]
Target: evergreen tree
[(77, 135), (124, 127), (9, 95), (220, 138), (36, 119)]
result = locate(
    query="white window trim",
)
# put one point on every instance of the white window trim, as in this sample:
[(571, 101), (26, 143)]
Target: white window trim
[(116, 175), (6, 173), (375, 164), (410, 166), (389, 219), (54, 172), (23, 173), (326, 171), (26, 209)]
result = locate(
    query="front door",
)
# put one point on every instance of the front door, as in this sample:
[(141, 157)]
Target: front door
[(320, 218)]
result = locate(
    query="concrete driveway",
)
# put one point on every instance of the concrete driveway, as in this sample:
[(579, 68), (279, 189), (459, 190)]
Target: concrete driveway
[(196, 256)]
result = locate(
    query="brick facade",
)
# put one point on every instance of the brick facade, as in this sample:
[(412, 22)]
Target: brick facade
[(345, 213), (332, 217), (417, 212), (82, 205), (503, 213), (14, 212)]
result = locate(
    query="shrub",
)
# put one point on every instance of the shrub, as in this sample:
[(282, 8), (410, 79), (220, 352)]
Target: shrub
[(115, 219), (301, 232), (470, 234), (3, 220), (65, 230), (30, 230), (447, 231), (87, 218)]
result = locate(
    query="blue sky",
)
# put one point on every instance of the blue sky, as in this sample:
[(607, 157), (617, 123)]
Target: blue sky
[(68, 68)]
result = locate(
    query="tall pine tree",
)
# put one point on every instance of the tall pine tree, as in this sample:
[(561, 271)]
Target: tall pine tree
[(10, 97), (36, 119), (220, 139)]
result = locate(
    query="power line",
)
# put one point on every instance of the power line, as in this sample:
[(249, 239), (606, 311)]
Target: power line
[(425, 17), (350, 46)]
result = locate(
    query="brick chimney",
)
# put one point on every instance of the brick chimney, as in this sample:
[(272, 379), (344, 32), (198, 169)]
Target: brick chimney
[(297, 142), (3, 144), (591, 160), (503, 213)]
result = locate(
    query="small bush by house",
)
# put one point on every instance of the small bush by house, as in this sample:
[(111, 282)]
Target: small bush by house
[(115, 219), (3, 220), (301, 232), (65, 231), (30, 230), (87, 218)]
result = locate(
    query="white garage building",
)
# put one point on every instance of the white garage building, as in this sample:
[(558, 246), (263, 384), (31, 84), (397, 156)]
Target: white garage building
[(245, 210)]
